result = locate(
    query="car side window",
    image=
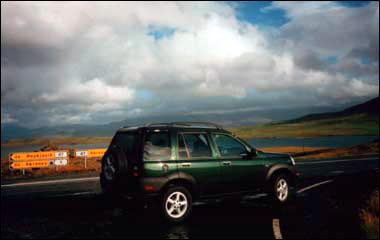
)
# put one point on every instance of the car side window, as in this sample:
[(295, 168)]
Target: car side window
[(125, 140), (228, 146), (157, 146), (193, 145)]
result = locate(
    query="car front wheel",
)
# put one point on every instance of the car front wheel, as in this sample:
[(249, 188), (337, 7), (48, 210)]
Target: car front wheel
[(282, 189)]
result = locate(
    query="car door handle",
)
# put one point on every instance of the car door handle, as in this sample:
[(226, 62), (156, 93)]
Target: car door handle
[(186, 164), (227, 163)]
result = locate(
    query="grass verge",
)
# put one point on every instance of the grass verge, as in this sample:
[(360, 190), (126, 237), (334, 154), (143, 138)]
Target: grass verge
[(370, 216)]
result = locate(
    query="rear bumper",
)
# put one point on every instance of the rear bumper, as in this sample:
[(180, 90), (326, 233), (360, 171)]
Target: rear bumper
[(141, 188)]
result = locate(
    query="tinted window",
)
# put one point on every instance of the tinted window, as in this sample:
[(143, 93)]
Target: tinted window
[(228, 146), (157, 146), (193, 145), (125, 140), (182, 150)]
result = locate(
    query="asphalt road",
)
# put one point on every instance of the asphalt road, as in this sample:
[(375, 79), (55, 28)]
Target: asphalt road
[(75, 208)]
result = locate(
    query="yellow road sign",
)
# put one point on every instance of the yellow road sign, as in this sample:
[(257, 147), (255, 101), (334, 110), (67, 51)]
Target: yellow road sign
[(25, 156), (30, 164), (96, 152), (32, 156)]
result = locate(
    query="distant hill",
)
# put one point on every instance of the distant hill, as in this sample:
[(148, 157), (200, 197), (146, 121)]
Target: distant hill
[(228, 119), (369, 109), (360, 119)]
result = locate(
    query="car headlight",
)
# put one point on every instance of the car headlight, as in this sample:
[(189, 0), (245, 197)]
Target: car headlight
[(292, 160)]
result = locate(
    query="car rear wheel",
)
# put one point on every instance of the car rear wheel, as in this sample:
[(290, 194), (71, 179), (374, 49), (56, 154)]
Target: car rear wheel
[(176, 204)]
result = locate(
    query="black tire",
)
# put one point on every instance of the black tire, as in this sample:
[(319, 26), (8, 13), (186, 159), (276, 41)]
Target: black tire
[(164, 204), (277, 196), (108, 184), (118, 160)]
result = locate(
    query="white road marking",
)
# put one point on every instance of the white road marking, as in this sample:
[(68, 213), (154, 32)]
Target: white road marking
[(337, 172), (314, 186), (276, 229), (261, 195), (51, 182), (336, 161)]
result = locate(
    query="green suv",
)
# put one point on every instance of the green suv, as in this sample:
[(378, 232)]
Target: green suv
[(182, 162)]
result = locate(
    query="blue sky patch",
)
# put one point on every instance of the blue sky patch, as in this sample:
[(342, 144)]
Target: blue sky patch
[(354, 3), (330, 59), (160, 32), (254, 13), (144, 94)]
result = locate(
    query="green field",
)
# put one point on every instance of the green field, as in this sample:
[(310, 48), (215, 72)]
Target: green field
[(345, 126)]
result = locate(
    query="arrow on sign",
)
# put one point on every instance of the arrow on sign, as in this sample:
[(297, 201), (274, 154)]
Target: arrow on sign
[(31, 156), (31, 164)]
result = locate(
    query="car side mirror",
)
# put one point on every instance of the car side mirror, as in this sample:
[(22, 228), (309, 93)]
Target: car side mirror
[(249, 154)]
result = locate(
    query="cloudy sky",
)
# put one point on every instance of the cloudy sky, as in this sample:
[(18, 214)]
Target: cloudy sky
[(77, 62)]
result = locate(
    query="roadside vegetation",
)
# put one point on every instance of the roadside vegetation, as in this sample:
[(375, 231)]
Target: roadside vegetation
[(370, 217)]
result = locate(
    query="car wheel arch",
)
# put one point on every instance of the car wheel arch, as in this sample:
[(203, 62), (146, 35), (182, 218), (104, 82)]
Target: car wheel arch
[(185, 181), (278, 170)]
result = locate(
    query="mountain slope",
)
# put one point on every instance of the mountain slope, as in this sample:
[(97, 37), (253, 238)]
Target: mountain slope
[(369, 108), (362, 119)]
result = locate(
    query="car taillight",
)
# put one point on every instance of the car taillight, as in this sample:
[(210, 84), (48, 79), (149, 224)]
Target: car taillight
[(135, 172), (148, 188)]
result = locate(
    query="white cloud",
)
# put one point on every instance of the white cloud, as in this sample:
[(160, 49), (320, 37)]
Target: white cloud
[(94, 93), (79, 59)]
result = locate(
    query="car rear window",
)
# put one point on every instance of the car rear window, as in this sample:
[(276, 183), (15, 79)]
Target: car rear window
[(125, 140), (157, 146)]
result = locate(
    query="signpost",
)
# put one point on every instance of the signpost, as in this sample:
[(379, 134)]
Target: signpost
[(26, 160), (90, 153), (30, 164), (96, 152), (60, 162)]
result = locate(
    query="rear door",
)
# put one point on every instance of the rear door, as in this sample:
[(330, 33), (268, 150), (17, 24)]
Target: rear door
[(196, 159), (159, 159)]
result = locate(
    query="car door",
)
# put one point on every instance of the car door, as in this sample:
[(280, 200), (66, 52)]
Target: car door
[(157, 154), (195, 159), (239, 169)]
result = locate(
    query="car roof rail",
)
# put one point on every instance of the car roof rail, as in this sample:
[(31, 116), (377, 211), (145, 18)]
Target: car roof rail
[(198, 124), (185, 124), (157, 124)]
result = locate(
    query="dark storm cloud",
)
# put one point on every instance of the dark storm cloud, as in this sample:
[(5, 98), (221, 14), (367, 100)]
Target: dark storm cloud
[(30, 56)]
